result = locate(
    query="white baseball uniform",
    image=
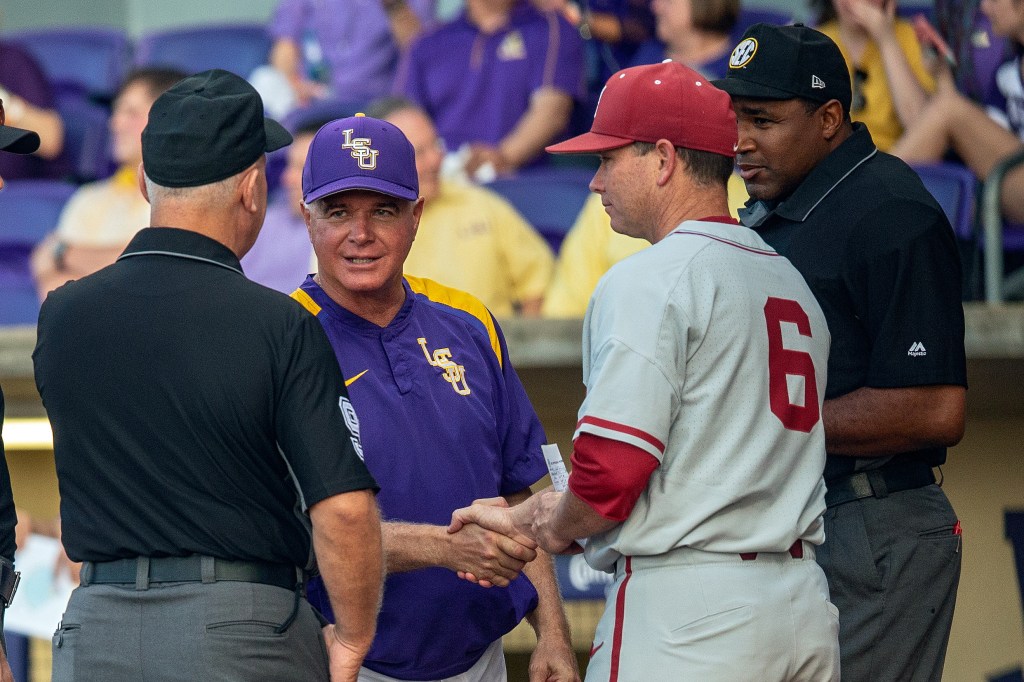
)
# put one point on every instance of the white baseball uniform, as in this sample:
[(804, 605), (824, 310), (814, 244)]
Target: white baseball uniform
[(708, 351)]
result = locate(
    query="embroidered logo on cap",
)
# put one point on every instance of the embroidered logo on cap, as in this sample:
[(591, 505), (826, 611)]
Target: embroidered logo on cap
[(817, 83), (743, 53), (360, 149)]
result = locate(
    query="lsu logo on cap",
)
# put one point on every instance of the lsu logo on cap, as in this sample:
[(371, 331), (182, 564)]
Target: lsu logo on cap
[(743, 53), (360, 149)]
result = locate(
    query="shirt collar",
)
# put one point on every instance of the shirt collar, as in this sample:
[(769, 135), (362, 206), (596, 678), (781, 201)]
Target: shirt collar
[(178, 243), (818, 184)]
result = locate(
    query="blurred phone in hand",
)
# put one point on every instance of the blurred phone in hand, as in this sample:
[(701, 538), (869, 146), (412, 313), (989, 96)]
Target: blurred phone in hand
[(930, 39)]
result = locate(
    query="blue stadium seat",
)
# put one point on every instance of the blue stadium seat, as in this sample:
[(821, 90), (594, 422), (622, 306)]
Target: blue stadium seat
[(238, 48), (954, 187), (30, 209), (93, 60), (549, 198), (86, 137)]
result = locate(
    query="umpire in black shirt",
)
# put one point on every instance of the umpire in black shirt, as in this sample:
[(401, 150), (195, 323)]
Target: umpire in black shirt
[(16, 141), (880, 257), (203, 438)]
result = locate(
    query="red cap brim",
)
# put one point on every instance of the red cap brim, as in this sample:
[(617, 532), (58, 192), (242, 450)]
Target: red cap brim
[(589, 143)]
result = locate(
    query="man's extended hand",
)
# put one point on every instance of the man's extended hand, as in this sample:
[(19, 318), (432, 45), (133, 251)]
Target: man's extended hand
[(490, 557), (553, 660)]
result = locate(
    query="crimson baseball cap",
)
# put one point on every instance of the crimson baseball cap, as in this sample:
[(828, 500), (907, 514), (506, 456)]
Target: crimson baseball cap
[(206, 128), (658, 101), (360, 152), (787, 62)]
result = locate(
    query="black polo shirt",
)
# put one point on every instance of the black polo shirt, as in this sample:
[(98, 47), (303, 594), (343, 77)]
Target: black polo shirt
[(193, 410), (882, 260), (8, 516)]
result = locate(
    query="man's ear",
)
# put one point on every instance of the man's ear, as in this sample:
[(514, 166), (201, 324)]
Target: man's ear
[(667, 159), (141, 179), (247, 189), (832, 118), (417, 213)]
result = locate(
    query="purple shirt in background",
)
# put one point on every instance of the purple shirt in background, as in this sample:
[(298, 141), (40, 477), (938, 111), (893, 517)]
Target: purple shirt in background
[(476, 86), (355, 38), (280, 258), (22, 75)]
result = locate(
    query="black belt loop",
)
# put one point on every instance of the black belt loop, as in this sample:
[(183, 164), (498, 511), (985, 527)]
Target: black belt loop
[(142, 573), (85, 575), (207, 570), (878, 486)]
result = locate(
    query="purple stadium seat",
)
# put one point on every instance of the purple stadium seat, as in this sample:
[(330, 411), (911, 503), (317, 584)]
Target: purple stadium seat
[(86, 137), (238, 48), (93, 60), (954, 187), (30, 209), (549, 198)]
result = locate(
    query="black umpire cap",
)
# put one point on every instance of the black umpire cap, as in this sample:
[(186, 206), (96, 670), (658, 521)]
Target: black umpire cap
[(18, 141), (787, 62), (206, 128)]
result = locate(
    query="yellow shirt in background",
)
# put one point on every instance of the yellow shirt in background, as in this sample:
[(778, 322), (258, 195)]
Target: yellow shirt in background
[(591, 247), (878, 112), (471, 239), (104, 213)]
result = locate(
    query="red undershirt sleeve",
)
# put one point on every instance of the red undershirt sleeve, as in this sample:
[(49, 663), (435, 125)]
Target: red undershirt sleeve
[(609, 475)]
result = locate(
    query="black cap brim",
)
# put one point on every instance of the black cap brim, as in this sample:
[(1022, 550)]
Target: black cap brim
[(277, 136), (18, 141), (738, 87)]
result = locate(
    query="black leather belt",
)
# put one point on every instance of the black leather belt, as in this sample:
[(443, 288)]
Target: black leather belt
[(190, 569), (891, 478)]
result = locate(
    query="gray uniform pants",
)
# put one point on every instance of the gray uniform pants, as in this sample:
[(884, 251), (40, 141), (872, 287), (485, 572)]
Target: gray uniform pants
[(893, 566), (187, 631)]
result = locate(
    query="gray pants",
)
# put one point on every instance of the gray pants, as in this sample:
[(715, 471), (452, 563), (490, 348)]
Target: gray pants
[(893, 566), (187, 631)]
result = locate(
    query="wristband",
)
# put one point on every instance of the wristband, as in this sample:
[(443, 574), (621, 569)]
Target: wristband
[(59, 251)]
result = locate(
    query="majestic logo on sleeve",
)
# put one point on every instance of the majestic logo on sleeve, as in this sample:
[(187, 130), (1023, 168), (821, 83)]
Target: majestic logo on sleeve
[(917, 350), (360, 149), (352, 422), (743, 53), (454, 373)]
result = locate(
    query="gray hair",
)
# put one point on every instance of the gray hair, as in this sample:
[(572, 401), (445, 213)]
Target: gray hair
[(214, 192)]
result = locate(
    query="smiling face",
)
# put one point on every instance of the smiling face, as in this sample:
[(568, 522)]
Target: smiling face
[(361, 239), (780, 142)]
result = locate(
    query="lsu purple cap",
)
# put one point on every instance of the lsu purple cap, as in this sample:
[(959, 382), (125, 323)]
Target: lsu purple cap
[(360, 153)]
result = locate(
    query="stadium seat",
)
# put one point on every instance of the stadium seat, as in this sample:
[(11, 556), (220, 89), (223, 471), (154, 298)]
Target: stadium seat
[(954, 187), (30, 209), (238, 48), (549, 198), (93, 60), (86, 137), (756, 15)]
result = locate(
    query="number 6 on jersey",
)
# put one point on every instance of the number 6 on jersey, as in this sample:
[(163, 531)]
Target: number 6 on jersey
[(784, 362)]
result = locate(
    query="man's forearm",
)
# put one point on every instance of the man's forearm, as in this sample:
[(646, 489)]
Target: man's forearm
[(347, 541), (547, 115), (411, 546), (875, 422)]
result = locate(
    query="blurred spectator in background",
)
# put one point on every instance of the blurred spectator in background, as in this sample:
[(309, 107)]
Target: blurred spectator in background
[(697, 33), (887, 69), (101, 217), (283, 255), (499, 82), (980, 137), (614, 30), (28, 101), (591, 247), (469, 238), (338, 49)]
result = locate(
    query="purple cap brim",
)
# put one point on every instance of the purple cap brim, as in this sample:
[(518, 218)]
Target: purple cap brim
[(361, 182)]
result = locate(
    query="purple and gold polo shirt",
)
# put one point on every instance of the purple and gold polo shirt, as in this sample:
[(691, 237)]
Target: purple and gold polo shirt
[(476, 86), (443, 420)]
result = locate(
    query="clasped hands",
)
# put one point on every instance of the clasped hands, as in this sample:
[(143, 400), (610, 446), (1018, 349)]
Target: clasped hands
[(522, 529)]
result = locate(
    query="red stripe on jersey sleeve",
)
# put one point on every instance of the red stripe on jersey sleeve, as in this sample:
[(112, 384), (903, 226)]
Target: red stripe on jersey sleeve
[(609, 475), (622, 428)]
